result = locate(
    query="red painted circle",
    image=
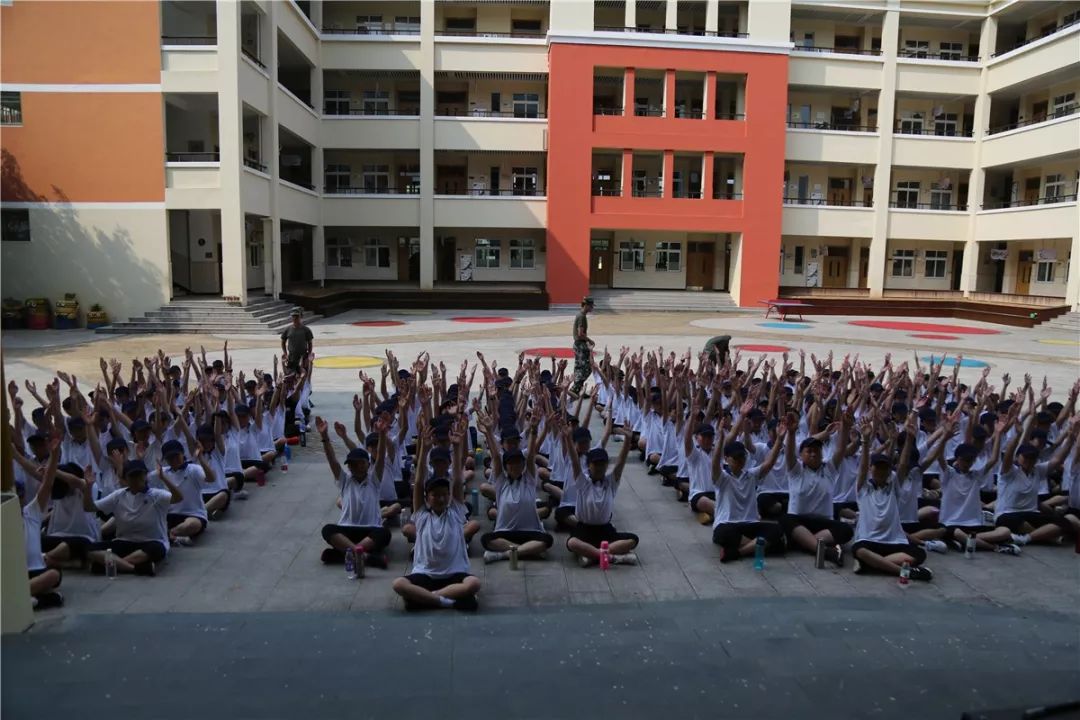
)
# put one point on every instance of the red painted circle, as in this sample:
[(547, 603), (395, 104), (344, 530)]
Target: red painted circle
[(553, 352), (378, 323), (931, 336), (483, 319), (922, 327), (764, 348)]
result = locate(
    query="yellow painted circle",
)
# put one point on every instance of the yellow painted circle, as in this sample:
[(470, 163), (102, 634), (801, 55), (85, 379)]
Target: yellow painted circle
[(410, 312), (1054, 341), (347, 362)]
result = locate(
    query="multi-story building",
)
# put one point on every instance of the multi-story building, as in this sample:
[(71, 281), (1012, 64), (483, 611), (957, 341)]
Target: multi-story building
[(753, 147)]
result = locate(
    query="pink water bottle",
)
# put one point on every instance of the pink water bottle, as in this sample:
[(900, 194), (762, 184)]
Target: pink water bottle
[(605, 556)]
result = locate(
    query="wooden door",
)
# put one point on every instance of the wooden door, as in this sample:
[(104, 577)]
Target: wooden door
[(1038, 111), (700, 264), (1031, 191), (600, 265), (1024, 266), (403, 261), (839, 191), (836, 267), (864, 267)]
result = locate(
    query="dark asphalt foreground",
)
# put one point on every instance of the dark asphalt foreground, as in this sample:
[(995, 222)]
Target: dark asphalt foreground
[(784, 658)]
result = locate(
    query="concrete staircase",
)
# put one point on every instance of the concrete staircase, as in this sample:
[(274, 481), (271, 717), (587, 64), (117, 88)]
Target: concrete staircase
[(1069, 322), (209, 316), (663, 301)]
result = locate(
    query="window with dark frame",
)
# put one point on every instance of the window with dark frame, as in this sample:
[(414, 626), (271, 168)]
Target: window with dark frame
[(15, 225), (11, 108)]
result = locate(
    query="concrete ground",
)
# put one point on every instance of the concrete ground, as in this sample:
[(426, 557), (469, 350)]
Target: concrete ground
[(251, 597)]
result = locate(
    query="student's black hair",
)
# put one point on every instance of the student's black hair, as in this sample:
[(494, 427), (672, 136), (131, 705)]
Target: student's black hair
[(66, 404), (37, 415)]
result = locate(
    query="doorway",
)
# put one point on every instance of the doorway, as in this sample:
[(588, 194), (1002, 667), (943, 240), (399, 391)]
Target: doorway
[(1024, 264), (840, 191), (700, 265), (600, 263), (836, 268), (446, 259), (1031, 191), (864, 267), (957, 268), (408, 260)]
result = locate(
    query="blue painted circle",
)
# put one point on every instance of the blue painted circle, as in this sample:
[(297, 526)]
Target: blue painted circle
[(951, 362), (784, 325)]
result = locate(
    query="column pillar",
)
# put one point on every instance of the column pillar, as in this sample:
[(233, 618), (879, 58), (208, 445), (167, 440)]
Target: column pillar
[(969, 270), (269, 269), (627, 184), (669, 93), (712, 15), (427, 145), (275, 241), (230, 140), (272, 160), (318, 255), (667, 178), (628, 92), (879, 241), (708, 100), (671, 15), (631, 14), (707, 190)]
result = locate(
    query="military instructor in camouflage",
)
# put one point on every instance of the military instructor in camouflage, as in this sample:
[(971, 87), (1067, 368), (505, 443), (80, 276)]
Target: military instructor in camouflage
[(582, 346)]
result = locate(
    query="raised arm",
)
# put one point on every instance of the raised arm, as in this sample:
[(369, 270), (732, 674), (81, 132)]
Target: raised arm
[(624, 451)]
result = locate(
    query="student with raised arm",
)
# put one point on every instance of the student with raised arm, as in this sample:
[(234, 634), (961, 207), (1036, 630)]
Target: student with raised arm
[(517, 524), (361, 522), (880, 541), (440, 576), (187, 518), (44, 581), (595, 506), (811, 482)]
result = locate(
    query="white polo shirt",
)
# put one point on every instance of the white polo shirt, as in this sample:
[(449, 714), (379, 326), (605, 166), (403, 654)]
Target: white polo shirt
[(736, 496), (879, 515), (68, 518), (960, 502), (31, 514), (595, 503), (810, 492), (516, 500), (699, 470), (1018, 491), (140, 517), (359, 500), (440, 548), (189, 480)]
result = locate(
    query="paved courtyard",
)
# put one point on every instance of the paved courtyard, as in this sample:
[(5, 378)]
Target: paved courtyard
[(258, 570)]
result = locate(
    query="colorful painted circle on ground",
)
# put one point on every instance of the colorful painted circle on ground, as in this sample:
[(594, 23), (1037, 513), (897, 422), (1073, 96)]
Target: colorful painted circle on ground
[(551, 352), (923, 327), (482, 319), (951, 362), (785, 325), (932, 336), (347, 362), (1060, 341), (410, 312), (378, 323), (763, 348)]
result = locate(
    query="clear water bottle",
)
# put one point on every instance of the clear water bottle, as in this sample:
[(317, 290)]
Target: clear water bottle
[(110, 564), (759, 553), (406, 516), (287, 453), (905, 575), (361, 561), (474, 495), (969, 548), (605, 555), (513, 557), (350, 564)]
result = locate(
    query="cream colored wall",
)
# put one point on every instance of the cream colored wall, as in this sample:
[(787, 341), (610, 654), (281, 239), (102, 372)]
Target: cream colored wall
[(116, 257), (651, 278), (356, 159), (479, 166), (480, 93), (370, 53), (357, 85), (816, 245), (571, 16), (935, 36), (465, 243), (1068, 169), (489, 212), (343, 14), (926, 177), (906, 106), (491, 17), (1038, 20), (1053, 289), (821, 105), (1028, 100), (481, 55), (370, 131), (919, 281), (819, 178), (357, 237), (825, 31)]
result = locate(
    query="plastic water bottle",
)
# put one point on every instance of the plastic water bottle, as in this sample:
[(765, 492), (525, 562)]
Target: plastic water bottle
[(288, 456), (474, 495), (905, 575), (302, 427), (605, 556), (513, 557), (361, 561), (350, 564), (969, 548), (759, 553), (110, 564), (406, 515)]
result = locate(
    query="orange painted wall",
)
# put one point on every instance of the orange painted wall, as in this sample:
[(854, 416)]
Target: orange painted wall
[(42, 41), (86, 147), (574, 132)]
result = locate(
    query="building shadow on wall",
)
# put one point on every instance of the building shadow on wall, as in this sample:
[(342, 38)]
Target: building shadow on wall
[(111, 275)]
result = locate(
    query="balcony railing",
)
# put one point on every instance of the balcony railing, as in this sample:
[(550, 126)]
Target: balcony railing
[(840, 50), (672, 31), (1051, 200), (364, 30), (824, 202), (251, 56), (475, 33), (1065, 111), (687, 194), (730, 116), (1040, 36), (477, 112), (689, 114), (648, 112), (722, 195), (298, 183), (387, 190), (832, 126), (372, 112), (254, 164), (496, 192), (924, 55), (905, 205), (651, 193), (607, 111), (192, 157), (607, 190), (189, 40), (939, 132)]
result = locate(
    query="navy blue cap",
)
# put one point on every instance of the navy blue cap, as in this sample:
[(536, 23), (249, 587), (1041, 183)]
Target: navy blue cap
[(705, 429), (205, 431), (133, 467), (545, 376), (899, 407), (404, 374), (438, 453), (510, 434), (356, 455), (1028, 450), (874, 387), (139, 425), (116, 444), (581, 435), (735, 449), (172, 447), (442, 431), (965, 451), (512, 455), (435, 482), (597, 455), (76, 423), (372, 439), (241, 409), (979, 433), (36, 438), (809, 442), (927, 414), (880, 459)]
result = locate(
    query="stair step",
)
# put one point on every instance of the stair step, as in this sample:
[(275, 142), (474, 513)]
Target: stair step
[(261, 315)]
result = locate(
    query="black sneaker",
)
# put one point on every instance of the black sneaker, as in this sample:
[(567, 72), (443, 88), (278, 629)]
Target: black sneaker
[(836, 556), (214, 515), (667, 481), (955, 545), (923, 574), (376, 560), (52, 599), (332, 556), (146, 569), (856, 566), (467, 603)]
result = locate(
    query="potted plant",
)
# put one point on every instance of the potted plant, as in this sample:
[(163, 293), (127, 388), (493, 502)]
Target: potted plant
[(96, 317), (14, 314), (67, 312), (38, 313)]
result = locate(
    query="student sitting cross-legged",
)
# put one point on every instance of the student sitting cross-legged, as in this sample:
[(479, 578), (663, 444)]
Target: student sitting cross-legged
[(595, 507), (361, 521), (44, 581), (517, 524), (440, 574)]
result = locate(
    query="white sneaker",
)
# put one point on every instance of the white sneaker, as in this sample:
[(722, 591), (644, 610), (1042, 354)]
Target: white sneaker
[(988, 518), (1007, 549), (936, 546), (584, 561), (240, 495), (625, 559), (182, 540), (491, 556), (1021, 539)]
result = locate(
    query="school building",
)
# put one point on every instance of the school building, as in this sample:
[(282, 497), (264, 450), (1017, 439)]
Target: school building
[(758, 148)]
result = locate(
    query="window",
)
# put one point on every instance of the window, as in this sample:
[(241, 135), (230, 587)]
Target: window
[(369, 23), (338, 177), (951, 50), (338, 252), (407, 24), (632, 256), (668, 256), (376, 102), (1044, 271), (799, 259), (1063, 104), (1055, 188), (916, 48), (408, 102), (376, 253), (945, 124), (336, 102), (940, 197), (526, 105), (460, 24), (912, 124), (254, 254), (903, 263), (11, 108), (525, 27), (488, 253), (15, 225), (409, 179), (934, 266), (523, 253), (376, 178), (907, 194), (525, 180)]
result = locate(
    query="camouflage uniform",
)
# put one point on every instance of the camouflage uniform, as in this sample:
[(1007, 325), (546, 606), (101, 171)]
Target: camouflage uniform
[(582, 353)]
